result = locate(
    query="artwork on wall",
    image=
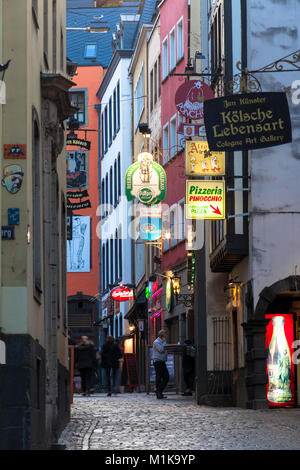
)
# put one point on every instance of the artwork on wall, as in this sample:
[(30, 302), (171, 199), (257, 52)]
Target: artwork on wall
[(12, 178), (79, 249), (77, 169)]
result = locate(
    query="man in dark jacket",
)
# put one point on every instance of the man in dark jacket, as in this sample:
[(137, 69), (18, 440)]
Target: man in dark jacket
[(110, 356), (85, 360)]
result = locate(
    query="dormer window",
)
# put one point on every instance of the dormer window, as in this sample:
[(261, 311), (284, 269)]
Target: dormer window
[(90, 51)]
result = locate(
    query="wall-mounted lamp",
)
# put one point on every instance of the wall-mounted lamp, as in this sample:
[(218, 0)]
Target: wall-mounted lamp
[(176, 283), (131, 328), (28, 235)]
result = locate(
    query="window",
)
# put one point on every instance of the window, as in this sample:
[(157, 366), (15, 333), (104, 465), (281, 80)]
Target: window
[(90, 51), (179, 40), (107, 266), (155, 84), (165, 63), (181, 221), (78, 99), (166, 230), (111, 261), (105, 130), (35, 12), (120, 255), (159, 76), (173, 137), (111, 187), (165, 149), (139, 98), (103, 268), (62, 50), (54, 32), (110, 121), (118, 106), (116, 256), (173, 226), (115, 184), (152, 100), (46, 33), (115, 111), (119, 177), (36, 194), (172, 49), (181, 139), (102, 135)]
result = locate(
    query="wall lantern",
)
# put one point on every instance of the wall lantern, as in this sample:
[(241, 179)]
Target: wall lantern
[(176, 282)]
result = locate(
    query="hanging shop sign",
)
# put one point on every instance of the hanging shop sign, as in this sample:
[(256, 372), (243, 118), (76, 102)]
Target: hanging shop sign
[(190, 96), (280, 365), (146, 180), (78, 205), (247, 122), (169, 295), (85, 144), (77, 194), (205, 200), (14, 151), (77, 169), (122, 293), (201, 161), (150, 222)]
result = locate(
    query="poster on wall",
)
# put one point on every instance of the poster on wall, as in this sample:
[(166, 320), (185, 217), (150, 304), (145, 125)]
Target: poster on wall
[(79, 248), (280, 366), (77, 169), (247, 122)]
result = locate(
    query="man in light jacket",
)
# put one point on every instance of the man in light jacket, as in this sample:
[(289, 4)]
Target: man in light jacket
[(160, 357)]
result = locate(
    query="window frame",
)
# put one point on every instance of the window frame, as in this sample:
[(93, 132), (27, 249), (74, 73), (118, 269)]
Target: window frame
[(165, 58), (172, 49), (180, 53)]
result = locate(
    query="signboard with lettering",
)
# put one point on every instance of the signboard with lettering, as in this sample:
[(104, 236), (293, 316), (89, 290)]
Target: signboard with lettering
[(8, 233), (205, 200), (122, 293), (190, 96), (201, 161), (85, 144), (247, 122)]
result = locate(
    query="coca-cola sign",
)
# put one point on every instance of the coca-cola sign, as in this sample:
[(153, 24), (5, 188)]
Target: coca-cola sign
[(122, 294), (190, 97)]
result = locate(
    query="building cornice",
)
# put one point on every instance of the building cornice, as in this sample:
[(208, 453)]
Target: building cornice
[(118, 55)]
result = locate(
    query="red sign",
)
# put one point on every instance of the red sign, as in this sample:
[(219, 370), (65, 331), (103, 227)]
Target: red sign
[(121, 294), (190, 97), (14, 151), (280, 360)]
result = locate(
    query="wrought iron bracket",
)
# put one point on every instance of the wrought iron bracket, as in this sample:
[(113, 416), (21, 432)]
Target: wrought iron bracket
[(186, 299)]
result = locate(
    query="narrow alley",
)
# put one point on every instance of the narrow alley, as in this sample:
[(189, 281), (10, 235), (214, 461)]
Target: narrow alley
[(141, 422)]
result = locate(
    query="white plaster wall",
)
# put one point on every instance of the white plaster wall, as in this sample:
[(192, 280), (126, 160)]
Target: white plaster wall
[(274, 32), (121, 144)]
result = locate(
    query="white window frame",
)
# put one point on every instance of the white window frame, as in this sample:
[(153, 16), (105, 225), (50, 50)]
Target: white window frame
[(181, 221), (173, 136), (139, 100), (165, 229), (165, 58), (174, 233), (165, 145), (180, 43), (172, 39)]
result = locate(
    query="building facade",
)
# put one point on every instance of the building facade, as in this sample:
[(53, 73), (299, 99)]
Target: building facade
[(34, 391), (253, 253)]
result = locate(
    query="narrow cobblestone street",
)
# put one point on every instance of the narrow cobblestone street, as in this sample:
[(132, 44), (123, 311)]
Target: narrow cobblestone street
[(141, 422)]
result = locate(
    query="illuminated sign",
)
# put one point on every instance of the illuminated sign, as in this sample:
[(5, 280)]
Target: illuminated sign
[(201, 161), (205, 200), (280, 364), (122, 294), (146, 180), (246, 122)]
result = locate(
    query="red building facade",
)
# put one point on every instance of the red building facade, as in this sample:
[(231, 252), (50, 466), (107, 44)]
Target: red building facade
[(82, 187)]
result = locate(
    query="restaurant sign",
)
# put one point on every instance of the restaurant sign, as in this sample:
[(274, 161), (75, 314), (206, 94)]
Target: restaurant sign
[(122, 293), (146, 180), (247, 122), (205, 200), (190, 96), (201, 161), (85, 144)]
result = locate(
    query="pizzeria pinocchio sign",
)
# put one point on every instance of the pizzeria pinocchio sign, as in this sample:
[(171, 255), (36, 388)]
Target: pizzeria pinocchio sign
[(247, 122)]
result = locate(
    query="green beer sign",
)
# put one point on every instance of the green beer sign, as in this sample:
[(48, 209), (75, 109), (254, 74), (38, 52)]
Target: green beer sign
[(146, 180)]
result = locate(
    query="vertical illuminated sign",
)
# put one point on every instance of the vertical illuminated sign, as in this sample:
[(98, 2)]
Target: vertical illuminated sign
[(280, 366)]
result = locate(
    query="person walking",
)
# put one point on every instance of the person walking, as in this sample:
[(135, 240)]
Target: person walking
[(85, 360), (160, 357), (110, 356)]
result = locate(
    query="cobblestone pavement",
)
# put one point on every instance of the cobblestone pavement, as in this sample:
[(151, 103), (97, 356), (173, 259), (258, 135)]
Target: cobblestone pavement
[(141, 422)]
